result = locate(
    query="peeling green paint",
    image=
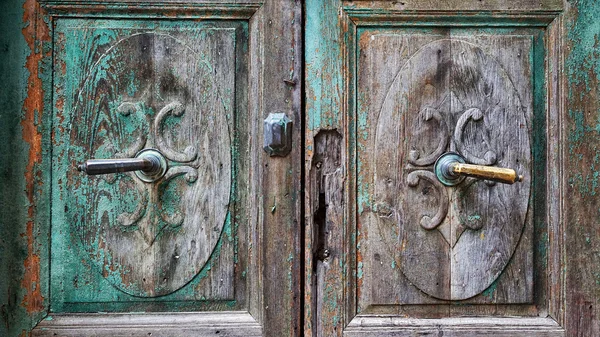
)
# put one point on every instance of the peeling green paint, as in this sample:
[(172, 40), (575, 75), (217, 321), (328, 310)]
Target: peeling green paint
[(89, 290), (489, 292)]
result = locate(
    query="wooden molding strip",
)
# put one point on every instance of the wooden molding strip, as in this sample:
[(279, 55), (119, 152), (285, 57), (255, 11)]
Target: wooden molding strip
[(228, 323), (458, 5), (378, 17), (376, 325), (214, 10)]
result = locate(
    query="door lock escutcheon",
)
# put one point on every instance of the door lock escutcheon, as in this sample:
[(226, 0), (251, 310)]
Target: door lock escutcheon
[(277, 135), (149, 165), (451, 169)]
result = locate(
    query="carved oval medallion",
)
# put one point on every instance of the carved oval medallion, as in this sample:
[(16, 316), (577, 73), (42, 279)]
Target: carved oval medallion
[(151, 91), (452, 242)]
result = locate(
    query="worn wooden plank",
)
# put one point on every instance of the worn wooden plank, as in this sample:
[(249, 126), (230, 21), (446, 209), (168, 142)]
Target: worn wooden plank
[(555, 168), (277, 41), (456, 5), (227, 323), (383, 154), (327, 177), (151, 9), (24, 165), (581, 172), (329, 304)]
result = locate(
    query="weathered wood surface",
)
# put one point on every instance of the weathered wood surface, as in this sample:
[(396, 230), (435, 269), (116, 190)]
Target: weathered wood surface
[(146, 90), (580, 174), (454, 5), (170, 89), (516, 286), (276, 86), (327, 177), (373, 325), (226, 323), (449, 95), (328, 303), (255, 264)]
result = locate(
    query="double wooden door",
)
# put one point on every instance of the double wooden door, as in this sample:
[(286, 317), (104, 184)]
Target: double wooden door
[(328, 221)]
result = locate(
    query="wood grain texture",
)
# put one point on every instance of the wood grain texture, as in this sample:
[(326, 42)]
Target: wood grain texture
[(432, 106), (141, 90), (174, 223), (276, 86), (444, 14), (243, 9), (255, 264), (519, 288), (328, 304), (327, 184), (452, 5), (372, 325), (227, 323), (581, 97)]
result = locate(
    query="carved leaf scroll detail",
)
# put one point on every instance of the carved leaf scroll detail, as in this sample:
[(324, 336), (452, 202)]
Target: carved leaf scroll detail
[(413, 180), (474, 114), (415, 158), (190, 152), (151, 196)]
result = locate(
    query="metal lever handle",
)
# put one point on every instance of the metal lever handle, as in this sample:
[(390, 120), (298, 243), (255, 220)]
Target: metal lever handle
[(498, 174), (106, 166), (149, 164), (451, 169)]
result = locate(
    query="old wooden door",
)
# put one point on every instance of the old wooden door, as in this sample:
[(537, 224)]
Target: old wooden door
[(361, 240), (391, 87), (215, 228)]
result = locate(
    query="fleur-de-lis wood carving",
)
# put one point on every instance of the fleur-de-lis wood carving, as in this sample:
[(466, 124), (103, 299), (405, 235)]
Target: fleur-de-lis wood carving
[(149, 216)]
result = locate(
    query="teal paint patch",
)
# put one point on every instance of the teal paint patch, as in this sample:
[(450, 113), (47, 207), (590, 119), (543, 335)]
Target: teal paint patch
[(359, 272), (323, 61), (583, 62), (489, 292), (472, 218)]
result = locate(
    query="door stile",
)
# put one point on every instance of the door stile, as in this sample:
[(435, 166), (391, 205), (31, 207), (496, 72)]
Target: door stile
[(329, 170)]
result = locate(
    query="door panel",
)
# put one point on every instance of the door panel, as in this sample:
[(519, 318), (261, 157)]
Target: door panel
[(400, 84), (440, 92), (128, 86)]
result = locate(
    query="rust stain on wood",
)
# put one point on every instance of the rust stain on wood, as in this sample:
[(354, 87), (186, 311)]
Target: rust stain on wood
[(35, 33)]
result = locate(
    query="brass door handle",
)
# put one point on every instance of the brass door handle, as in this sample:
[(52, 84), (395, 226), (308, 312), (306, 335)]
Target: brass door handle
[(451, 169), (149, 164)]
